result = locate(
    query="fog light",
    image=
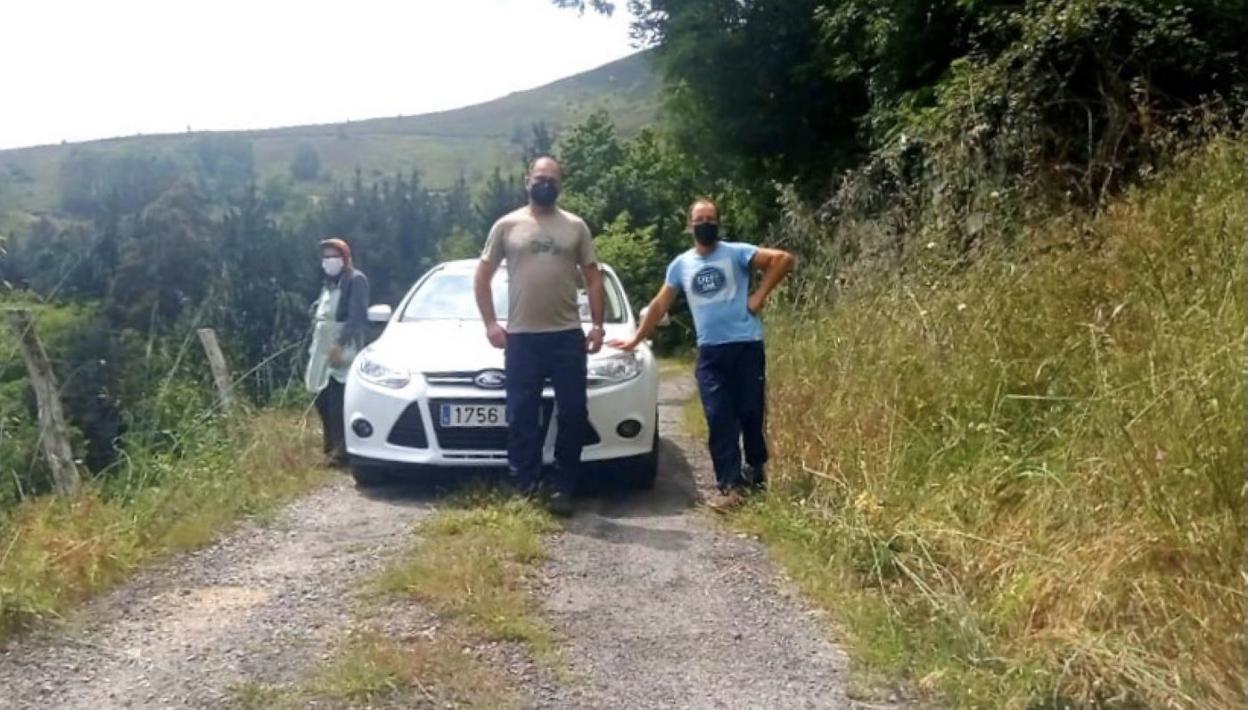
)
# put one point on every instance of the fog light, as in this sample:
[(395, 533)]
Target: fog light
[(629, 428), (362, 428)]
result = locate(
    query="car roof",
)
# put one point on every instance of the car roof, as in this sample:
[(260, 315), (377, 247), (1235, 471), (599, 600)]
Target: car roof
[(462, 266), (458, 266)]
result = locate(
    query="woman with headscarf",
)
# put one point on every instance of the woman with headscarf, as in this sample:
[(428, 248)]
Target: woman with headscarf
[(339, 332)]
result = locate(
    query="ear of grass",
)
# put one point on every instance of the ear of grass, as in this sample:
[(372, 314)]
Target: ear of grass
[(1021, 482), (57, 551)]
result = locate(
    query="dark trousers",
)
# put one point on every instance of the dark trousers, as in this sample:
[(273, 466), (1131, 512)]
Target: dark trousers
[(329, 405), (532, 359), (732, 379)]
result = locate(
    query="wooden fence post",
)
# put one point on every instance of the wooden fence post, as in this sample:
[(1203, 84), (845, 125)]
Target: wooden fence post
[(216, 361), (53, 433)]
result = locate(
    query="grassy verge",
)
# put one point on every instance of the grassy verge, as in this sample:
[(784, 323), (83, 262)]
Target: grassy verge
[(677, 364), (1021, 482), (470, 565), (54, 552), (370, 668)]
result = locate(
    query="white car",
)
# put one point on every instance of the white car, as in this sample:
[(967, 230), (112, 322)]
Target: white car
[(430, 390)]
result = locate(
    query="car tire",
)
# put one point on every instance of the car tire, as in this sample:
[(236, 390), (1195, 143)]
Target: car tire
[(369, 476)]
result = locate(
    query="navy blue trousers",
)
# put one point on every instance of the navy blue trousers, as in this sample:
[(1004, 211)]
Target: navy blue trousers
[(732, 379), (532, 359)]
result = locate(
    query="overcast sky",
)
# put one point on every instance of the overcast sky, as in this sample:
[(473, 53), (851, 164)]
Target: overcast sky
[(82, 69)]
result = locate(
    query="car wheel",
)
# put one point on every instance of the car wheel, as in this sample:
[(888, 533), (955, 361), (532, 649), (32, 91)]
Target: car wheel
[(368, 476)]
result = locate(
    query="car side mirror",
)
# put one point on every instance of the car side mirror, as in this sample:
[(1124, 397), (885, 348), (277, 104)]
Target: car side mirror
[(665, 321), (380, 313)]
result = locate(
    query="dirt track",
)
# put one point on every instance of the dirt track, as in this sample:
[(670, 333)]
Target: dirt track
[(656, 604)]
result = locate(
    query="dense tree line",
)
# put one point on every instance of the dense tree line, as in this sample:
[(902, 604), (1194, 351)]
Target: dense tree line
[(1073, 93), (148, 246)]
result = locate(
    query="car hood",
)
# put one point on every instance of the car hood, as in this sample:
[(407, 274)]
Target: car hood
[(452, 346)]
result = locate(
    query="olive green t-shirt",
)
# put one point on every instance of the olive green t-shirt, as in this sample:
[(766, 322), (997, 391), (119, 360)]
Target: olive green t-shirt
[(544, 254)]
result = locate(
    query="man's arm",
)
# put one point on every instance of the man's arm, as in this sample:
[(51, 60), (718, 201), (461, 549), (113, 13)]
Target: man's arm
[(597, 305), (483, 288), (775, 265), (658, 308)]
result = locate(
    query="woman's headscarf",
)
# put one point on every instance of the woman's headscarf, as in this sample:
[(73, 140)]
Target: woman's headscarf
[(343, 248)]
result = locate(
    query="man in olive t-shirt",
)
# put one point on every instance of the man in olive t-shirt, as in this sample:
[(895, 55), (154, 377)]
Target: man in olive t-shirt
[(549, 254)]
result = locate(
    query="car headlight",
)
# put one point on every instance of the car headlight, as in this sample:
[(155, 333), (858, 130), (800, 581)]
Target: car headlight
[(379, 373), (615, 369)]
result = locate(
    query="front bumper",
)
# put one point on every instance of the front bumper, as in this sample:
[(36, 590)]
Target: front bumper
[(404, 429)]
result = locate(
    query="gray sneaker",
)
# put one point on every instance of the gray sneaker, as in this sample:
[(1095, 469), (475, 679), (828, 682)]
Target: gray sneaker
[(560, 505), (755, 477), (726, 501)]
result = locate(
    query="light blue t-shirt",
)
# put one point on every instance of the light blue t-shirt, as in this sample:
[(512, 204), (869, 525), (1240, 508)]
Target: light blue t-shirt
[(717, 287)]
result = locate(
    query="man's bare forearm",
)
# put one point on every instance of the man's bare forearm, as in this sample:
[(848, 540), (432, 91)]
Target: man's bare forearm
[(597, 294), (776, 271), (484, 291), (654, 314)]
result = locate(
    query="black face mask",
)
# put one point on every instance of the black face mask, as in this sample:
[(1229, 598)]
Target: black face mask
[(544, 193), (706, 233)]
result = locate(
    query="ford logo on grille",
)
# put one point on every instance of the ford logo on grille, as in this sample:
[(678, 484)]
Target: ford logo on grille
[(490, 379)]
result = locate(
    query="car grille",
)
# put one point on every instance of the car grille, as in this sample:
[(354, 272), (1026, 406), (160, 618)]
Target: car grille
[(450, 378), (488, 438), (409, 430)]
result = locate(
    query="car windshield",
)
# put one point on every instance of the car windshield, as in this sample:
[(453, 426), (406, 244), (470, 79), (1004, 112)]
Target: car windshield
[(448, 295)]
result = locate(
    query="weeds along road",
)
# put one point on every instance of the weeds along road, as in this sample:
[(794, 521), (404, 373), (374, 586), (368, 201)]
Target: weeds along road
[(653, 604)]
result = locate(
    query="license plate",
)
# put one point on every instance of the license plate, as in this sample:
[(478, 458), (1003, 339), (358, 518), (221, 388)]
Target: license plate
[(455, 416)]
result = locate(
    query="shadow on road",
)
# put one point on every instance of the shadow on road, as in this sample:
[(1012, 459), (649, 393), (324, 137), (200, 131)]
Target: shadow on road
[(674, 492), (606, 510), (420, 486)]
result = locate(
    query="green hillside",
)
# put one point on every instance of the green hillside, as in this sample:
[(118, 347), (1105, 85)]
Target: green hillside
[(469, 141)]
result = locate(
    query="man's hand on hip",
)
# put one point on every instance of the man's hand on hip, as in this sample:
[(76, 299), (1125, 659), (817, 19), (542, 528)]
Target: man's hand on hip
[(593, 341), (496, 335), (757, 303)]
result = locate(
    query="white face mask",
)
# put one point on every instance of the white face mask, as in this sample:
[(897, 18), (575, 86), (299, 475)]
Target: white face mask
[(332, 266)]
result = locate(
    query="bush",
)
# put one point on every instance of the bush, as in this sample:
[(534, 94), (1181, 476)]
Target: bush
[(1020, 479), (634, 254), (306, 165)]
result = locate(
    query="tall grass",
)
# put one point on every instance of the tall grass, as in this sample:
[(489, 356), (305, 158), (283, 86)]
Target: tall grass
[(1021, 480), (55, 551)]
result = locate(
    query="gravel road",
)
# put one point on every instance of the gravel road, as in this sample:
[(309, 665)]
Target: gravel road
[(657, 605), (263, 604), (661, 606)]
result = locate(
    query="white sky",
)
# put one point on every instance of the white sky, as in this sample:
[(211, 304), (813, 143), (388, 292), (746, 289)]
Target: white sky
[(81, 69)]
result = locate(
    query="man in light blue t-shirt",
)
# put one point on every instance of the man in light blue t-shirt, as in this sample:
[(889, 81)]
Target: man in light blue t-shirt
[(732, 364)]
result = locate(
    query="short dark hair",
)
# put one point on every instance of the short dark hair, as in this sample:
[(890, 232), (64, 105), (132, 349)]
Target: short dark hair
[(546, 156), (703, 200)]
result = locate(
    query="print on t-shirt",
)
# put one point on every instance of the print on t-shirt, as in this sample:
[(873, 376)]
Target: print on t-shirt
[(544, 244), (713, 283)]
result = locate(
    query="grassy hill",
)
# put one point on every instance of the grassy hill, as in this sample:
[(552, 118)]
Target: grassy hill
[(469, 141)]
